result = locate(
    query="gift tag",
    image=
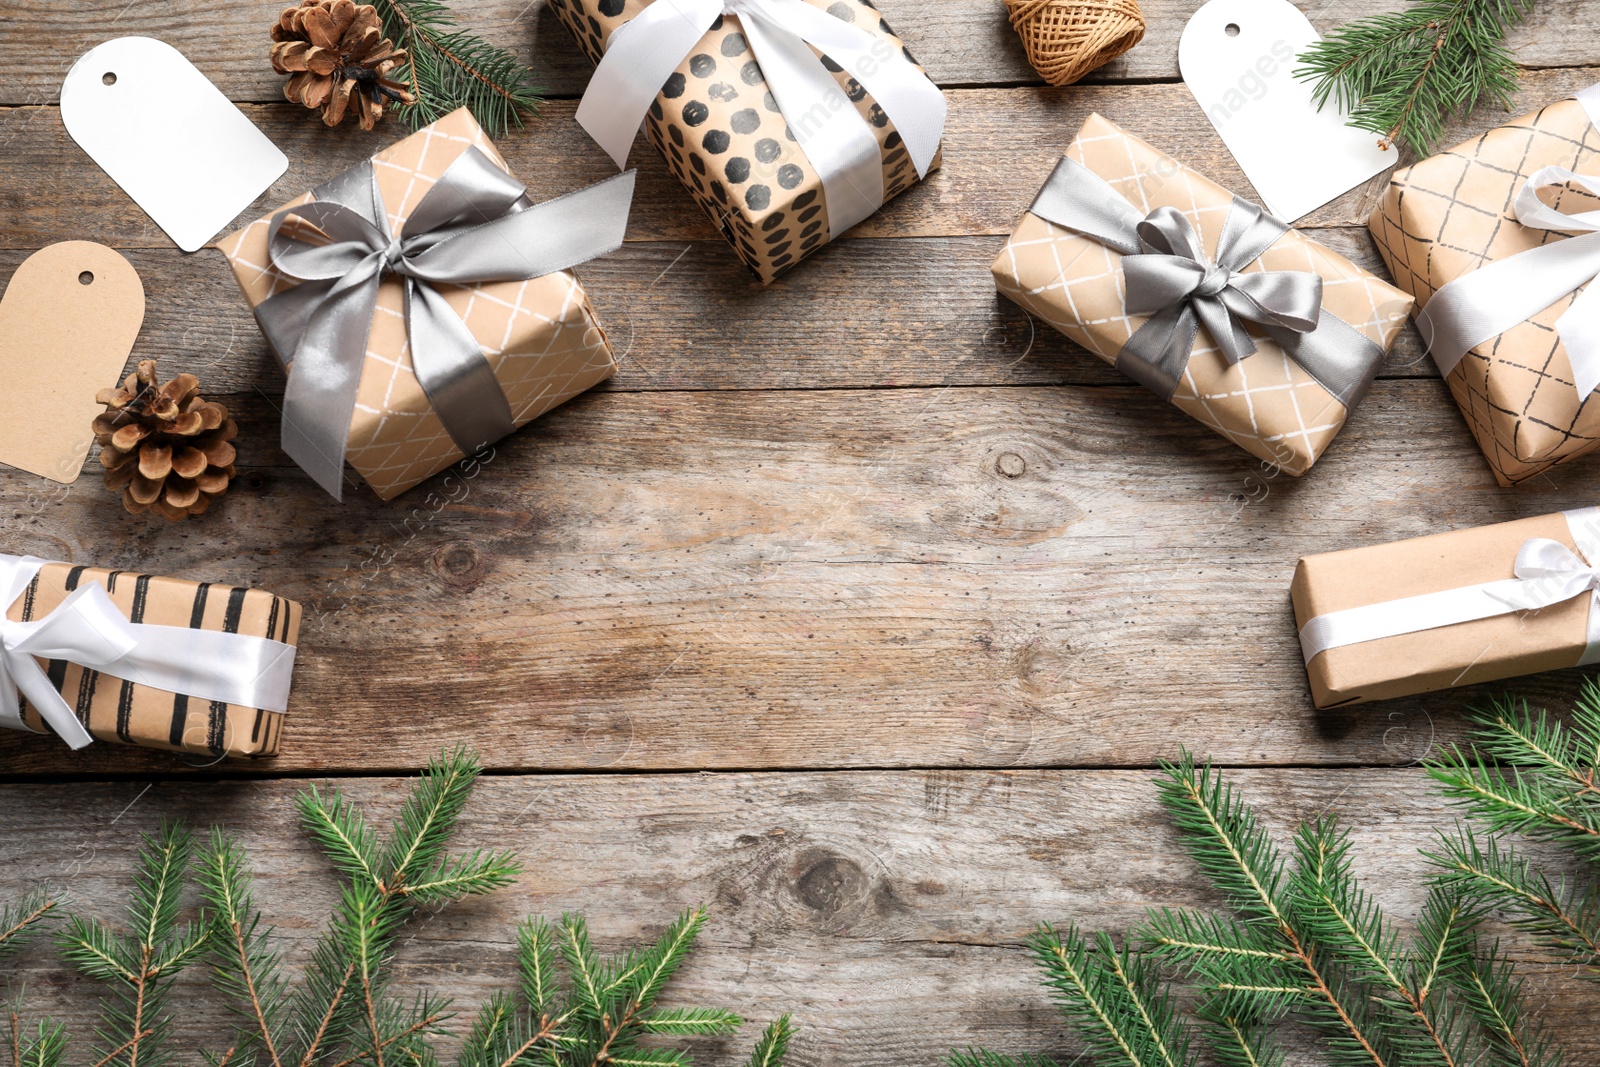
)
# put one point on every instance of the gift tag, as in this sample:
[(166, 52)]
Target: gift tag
[(1238, 59), (67, 323), (169, 137)]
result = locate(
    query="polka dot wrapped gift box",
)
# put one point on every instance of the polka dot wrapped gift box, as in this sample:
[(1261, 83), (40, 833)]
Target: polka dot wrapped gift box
[(788, 120)]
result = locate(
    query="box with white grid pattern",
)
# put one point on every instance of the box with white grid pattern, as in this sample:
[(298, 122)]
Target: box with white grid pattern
[(1266, 403), (540, 336), (1452, 213)]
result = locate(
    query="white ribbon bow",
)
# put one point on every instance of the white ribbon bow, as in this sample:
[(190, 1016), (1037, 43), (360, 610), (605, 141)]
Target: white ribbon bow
[(88, 629), (643, 53), (1481, 305), (1547, 573)]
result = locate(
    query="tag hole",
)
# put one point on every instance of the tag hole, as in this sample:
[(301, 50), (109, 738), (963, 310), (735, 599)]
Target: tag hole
[(1231, 29), (86, 277), (108, 78)]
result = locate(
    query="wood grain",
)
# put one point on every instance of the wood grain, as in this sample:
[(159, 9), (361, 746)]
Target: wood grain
[(961, 42), (884, 909), (869, 313), (946, 577), (53, 192)]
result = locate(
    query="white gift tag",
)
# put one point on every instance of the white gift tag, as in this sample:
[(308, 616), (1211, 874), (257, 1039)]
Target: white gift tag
[(1238, 59), (169, 137)]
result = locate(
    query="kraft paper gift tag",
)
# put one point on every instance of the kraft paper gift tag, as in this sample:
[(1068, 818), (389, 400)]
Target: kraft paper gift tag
[(67, 324)]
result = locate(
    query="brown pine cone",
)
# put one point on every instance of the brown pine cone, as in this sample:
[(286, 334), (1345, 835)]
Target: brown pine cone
[(338, 59), (164, 447)]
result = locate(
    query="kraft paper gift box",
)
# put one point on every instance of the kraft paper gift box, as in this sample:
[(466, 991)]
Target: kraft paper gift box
[(1443, 610), (119, 710), (717, 124), (1267, 403), (1447, 216), (541, 337)]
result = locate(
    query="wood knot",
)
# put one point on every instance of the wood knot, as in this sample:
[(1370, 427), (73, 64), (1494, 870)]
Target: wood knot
[(1010, 464), (460, 564), (830, 884)]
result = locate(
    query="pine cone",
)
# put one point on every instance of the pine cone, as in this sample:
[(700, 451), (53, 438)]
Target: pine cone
[(165, 448), (338, 60)]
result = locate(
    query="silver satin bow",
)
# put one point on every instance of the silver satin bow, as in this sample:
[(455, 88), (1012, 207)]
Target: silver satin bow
[(1170, 279), (1481, 305), (88, 629), (474, 225)]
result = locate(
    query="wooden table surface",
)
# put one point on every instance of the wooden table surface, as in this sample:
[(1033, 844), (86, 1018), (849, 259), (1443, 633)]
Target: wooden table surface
[(857, 607)]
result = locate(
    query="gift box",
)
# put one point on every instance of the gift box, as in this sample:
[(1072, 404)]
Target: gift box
[(207, 642), (1449, 609), (718, 124), (1280, 384), (539, 336), (1447, 217)]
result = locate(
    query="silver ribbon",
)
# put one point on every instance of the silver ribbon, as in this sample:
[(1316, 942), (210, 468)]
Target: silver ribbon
[(1487, 302), (475, 225), (1169, 278), (642, 54), (1547, 573), (88, 629)]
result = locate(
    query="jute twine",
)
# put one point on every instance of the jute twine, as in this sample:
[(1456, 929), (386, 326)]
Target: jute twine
[(1066, 39)]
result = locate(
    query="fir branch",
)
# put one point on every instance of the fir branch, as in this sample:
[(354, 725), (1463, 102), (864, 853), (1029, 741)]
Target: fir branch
[(1548, 792), (1566, 920), (47, 1047), (773, 1044), (141, 965), (1401, 74), (1340, 916), (343, 1014), (982, 1057), (428, 817), (246, 967), (1110, 997), (1492, 994), (338, 826), (690, 1021), (1235, 1045), (1225, 838), (450, 68), (1305, 940), (22, 921), (536, 964)]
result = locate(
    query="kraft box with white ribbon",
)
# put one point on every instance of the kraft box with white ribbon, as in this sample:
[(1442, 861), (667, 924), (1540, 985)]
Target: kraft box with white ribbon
[(1498, 239), (789, 121), (91, 654), (1450, 609)]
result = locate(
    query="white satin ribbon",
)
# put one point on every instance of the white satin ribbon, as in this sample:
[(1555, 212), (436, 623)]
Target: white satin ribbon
[(88, 629), (1481, 305), (642, 54), (1547, 573)]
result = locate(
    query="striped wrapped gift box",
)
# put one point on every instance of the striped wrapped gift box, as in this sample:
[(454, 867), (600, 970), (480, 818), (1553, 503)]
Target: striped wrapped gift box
[(116, 710)]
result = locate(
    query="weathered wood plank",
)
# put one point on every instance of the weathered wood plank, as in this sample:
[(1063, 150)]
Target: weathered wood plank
[(884, 909), (962, 42), (873, 313), (999, 147), (978, 577)]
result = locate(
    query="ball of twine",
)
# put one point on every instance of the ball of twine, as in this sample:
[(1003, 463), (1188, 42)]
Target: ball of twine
[(1066, 39)]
